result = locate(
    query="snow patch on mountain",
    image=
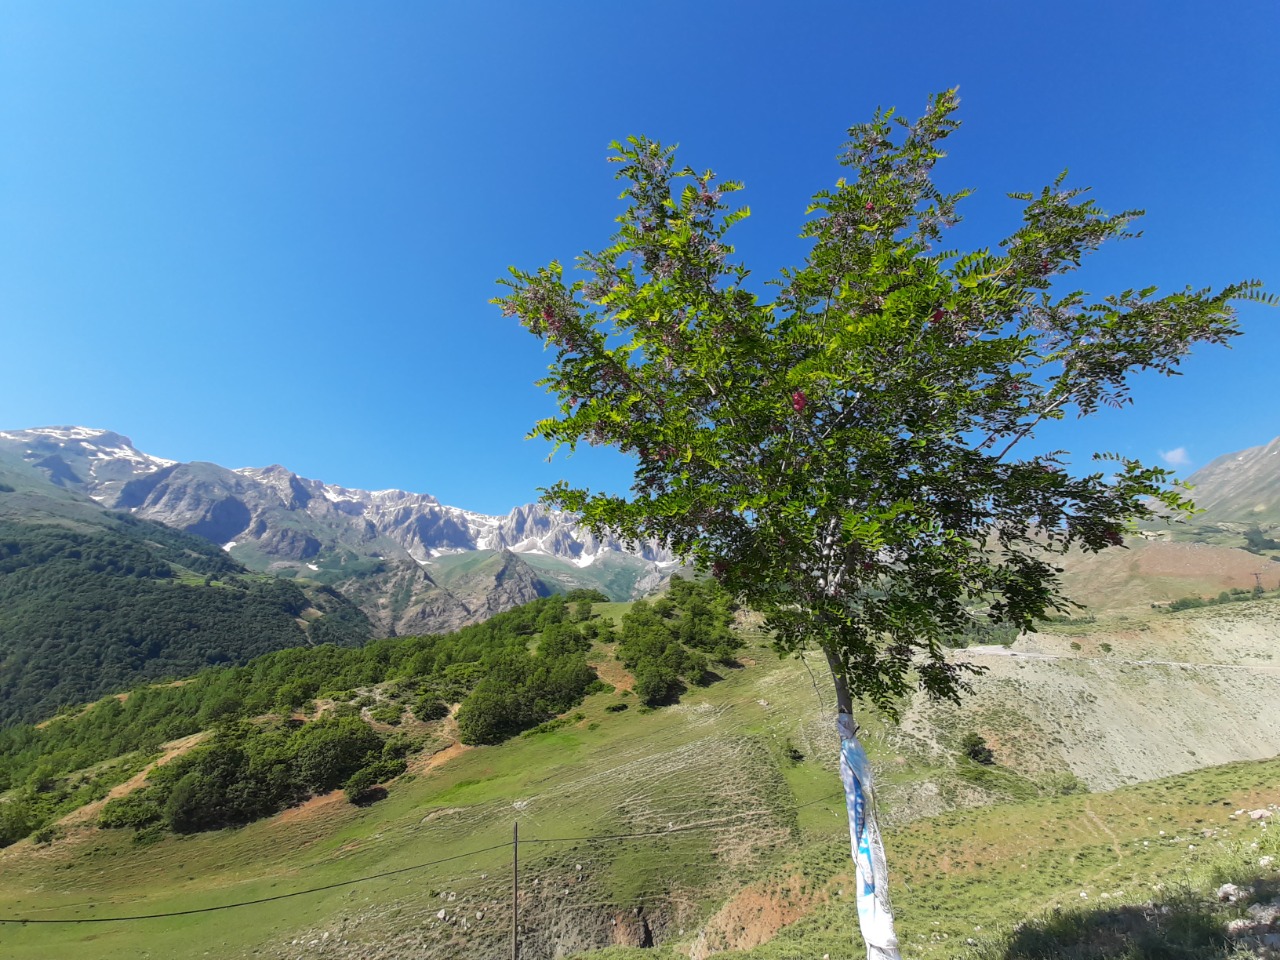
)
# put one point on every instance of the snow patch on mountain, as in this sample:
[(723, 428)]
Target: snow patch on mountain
[(110, 446), (244, 505)]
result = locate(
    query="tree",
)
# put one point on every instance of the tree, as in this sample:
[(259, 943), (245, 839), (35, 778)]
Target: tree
[(844, 456)]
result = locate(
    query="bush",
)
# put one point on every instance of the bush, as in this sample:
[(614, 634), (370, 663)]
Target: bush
[(974, 746), (137, 809), (656, 682), (388, 713), (430, 708), (361, 786), (488, 716), (328, 751), (1062, 784)]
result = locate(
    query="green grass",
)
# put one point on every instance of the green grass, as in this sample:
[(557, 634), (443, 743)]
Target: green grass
[(747, 763), (448, 568), (614, 575), (1010, 877), (606, 774)]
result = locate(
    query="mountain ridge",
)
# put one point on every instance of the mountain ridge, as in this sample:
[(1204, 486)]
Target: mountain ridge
[(373, 544), (1241, 487)]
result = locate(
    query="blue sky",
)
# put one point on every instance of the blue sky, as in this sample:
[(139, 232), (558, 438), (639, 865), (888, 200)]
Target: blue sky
[(268, 232)]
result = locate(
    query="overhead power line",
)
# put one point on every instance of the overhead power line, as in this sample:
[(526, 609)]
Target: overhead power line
[(691, 828), (248, 903)]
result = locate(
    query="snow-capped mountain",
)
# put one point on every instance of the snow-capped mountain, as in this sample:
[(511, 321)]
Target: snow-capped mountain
[(363, 541)]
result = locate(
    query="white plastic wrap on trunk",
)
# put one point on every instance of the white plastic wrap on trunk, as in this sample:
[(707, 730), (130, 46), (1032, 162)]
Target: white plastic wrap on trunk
[(875, 913)]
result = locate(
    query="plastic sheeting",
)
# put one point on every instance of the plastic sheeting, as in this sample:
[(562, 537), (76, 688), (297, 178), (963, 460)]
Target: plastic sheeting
[(875, 912)]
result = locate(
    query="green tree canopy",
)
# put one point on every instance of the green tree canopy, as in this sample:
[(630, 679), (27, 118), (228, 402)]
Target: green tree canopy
[(845, 455)]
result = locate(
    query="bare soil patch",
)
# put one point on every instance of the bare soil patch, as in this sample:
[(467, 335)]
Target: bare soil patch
[(1135, 700), (612, 672), (310, 809), (754, 916), (1158, 571), (424, 762)]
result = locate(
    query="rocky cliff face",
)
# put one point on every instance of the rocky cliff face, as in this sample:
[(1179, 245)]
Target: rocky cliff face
[(380, 547)]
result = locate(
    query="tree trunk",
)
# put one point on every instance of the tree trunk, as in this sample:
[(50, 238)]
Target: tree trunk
[(844, 701), (875, 913)]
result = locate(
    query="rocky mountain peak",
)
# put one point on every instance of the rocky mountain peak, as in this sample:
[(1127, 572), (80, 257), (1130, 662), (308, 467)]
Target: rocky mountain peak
[(273, 519)]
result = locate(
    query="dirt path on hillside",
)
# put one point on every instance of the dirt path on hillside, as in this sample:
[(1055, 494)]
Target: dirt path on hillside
[(613, 672), (994, 651), (175, 748), (310, 808), (425, 762)]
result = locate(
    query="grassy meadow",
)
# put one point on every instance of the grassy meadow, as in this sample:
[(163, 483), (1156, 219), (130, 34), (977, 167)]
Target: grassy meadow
[(715, 825)]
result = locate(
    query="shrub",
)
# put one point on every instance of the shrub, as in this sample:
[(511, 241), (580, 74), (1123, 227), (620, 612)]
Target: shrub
[(137, 809), (361, 786), (1062, 784), (328, 751), (388, 713), (975, 748), (430, 708)]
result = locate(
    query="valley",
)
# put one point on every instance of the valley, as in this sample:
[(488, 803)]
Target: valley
[(408, 560), (608, 482), (717, 823), (693, 812)]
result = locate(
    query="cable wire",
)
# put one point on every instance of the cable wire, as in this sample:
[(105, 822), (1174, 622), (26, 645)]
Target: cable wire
[(249, 903)]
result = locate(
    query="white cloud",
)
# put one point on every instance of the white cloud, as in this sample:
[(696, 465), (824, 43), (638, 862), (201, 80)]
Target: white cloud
[(1177, 457)]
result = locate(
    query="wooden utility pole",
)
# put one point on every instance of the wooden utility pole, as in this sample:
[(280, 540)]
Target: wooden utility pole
[(515, 890)]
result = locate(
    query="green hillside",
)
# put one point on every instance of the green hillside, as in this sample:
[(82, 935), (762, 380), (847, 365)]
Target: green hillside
[(507, 675), (91, 608), (714, 821)]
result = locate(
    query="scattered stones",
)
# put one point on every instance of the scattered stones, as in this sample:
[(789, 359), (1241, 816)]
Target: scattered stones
[(1240, 927), (1264, 913), (1230, 893), (1259, 814)]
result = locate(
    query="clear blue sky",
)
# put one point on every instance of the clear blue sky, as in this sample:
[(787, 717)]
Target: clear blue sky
[(268, 232)]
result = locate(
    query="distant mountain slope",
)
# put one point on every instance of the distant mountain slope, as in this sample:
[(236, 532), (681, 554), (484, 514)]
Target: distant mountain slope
[(1237, 492), (92, 602), (1154, 571), (383, 547)]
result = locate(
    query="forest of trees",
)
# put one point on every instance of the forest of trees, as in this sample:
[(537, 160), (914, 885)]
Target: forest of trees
[(249, 771), (507, 675), (674, 639), (88, 612)]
